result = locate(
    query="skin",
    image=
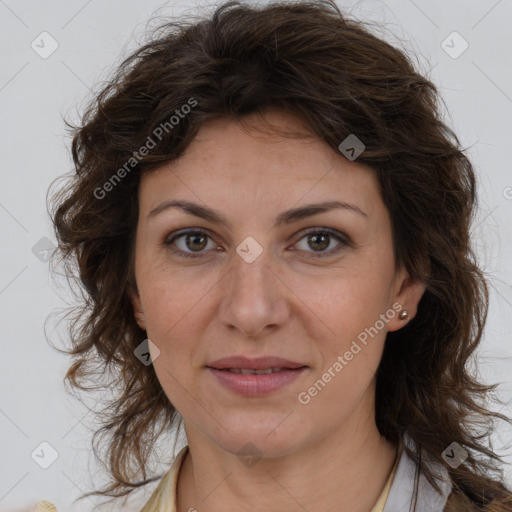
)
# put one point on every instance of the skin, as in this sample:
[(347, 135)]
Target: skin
[(323, 456)]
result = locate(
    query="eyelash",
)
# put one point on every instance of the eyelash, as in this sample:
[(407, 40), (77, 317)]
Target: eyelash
[(340, 237)]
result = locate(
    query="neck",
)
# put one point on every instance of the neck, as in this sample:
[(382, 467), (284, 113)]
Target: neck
[(345, 471)]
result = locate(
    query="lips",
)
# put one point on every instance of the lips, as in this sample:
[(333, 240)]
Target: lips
[(255, 377)]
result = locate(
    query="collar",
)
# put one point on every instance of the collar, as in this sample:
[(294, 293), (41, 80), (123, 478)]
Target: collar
[(410, 490)]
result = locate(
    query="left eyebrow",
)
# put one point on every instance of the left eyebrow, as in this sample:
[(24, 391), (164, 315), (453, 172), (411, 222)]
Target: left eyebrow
[(286, 217), (295, 214)]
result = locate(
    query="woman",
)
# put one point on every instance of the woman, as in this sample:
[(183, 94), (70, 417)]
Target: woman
[(271, 223)]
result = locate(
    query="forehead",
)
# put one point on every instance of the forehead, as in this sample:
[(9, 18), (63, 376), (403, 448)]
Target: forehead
[(266, 158)]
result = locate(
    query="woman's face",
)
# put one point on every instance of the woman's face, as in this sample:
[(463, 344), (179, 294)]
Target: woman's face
[(272, 278)]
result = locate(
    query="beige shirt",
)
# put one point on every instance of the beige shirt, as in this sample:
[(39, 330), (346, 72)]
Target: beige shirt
[(164, 499)]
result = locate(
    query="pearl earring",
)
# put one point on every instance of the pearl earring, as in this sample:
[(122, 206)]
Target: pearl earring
[(403, 315)]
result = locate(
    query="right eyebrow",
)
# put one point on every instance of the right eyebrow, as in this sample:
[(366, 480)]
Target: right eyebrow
[(195, 209)]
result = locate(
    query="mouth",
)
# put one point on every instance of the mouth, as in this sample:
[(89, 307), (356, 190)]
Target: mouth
[(256, 377), (253, 371), (248, 365)]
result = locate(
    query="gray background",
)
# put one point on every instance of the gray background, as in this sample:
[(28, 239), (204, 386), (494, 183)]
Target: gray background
[(36, 92)]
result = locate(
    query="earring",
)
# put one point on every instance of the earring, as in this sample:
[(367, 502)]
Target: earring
[(403, 315)]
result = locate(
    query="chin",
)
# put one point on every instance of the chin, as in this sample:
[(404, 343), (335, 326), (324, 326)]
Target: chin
[(262, 437)]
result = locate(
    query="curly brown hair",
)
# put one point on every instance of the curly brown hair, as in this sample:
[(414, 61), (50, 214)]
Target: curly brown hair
[(308, 59)]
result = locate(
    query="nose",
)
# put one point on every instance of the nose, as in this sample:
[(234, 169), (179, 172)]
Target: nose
[(254, 299)]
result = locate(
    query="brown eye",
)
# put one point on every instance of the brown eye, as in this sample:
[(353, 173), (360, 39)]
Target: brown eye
[(196, 241), (315, 242), (189, 244), (319, 242)]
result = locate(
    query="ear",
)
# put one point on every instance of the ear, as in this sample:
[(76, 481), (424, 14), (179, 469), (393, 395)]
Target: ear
[(407, 295), (137, 308)]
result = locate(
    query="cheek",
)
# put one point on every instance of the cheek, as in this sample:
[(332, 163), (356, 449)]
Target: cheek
[(344, 322), (349, 348), (168, 294), (342, 307), (177, 310), (168, 312), (172, 311)]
